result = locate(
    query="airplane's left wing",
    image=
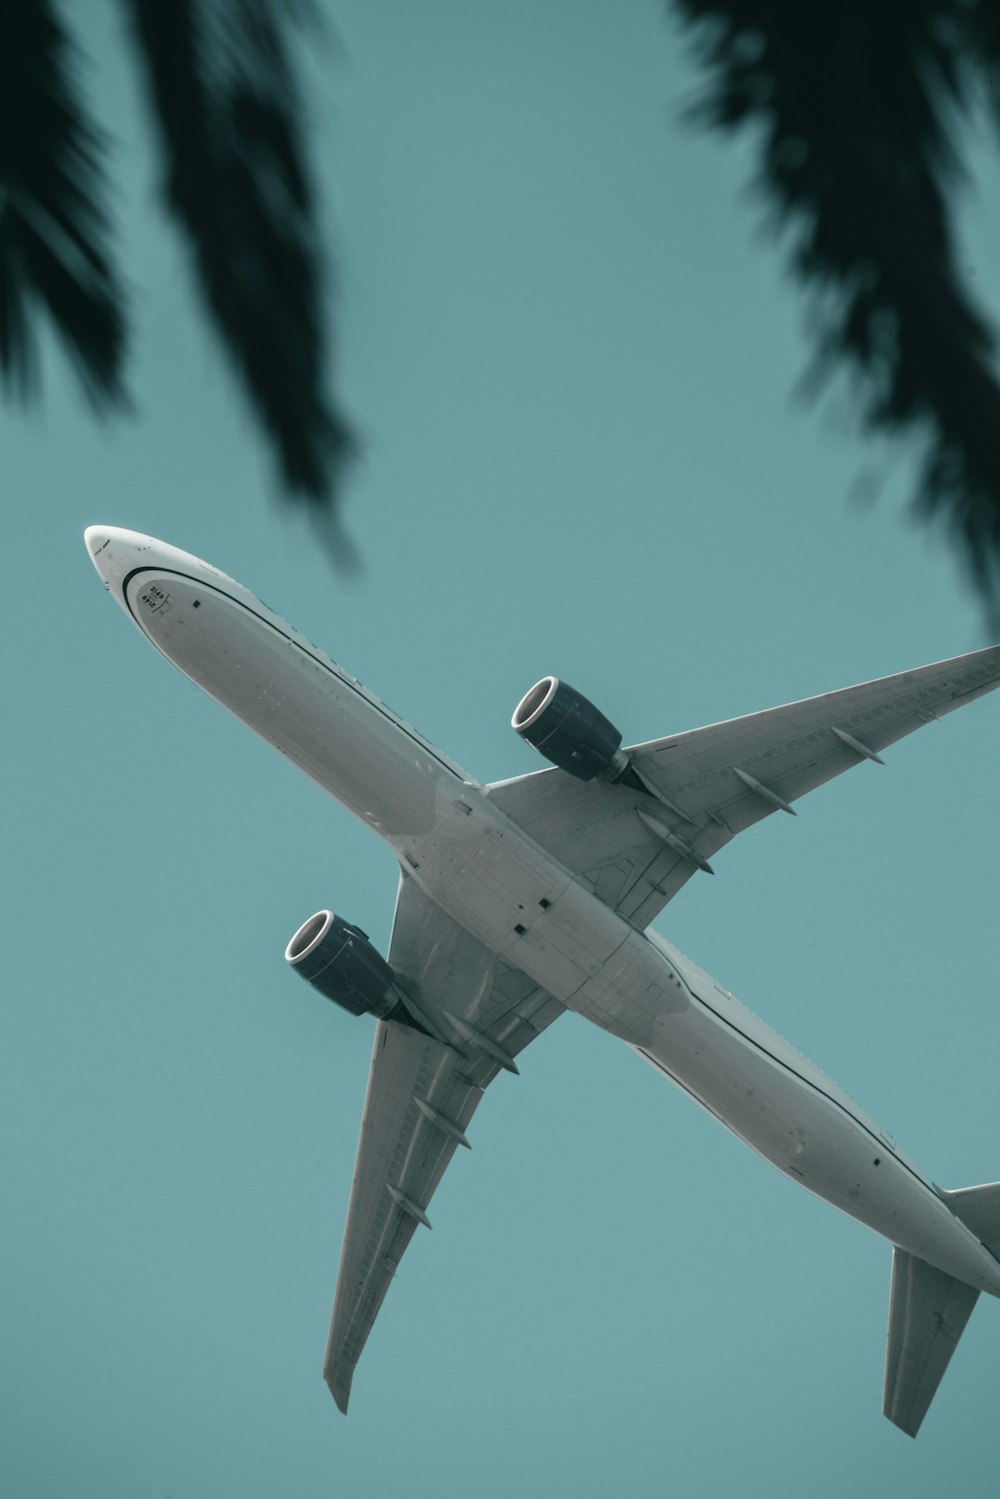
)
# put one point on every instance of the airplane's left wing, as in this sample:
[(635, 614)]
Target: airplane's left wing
[(422, 1092), (636, 847)]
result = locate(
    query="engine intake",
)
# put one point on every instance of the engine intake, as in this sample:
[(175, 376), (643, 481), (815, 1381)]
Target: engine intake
[(338, 960), (567, 729)]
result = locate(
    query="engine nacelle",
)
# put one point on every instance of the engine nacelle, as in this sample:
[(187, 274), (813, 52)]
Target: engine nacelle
[(338, 960), (568, 730)]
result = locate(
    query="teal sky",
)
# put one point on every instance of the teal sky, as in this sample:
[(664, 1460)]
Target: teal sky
[(570, 354)]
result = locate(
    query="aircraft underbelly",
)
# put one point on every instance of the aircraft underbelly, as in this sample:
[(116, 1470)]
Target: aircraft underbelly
[(523, 904), (507, 891), (295, 699), (798, 1120)]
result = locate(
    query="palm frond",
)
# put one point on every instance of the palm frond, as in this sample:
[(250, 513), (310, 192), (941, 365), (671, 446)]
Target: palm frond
[(53, 228), (854, 103), (236, 181)]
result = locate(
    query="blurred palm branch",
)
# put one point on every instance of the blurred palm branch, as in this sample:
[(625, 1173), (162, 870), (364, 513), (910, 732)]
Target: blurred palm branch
[(857, 110), (223, 94)]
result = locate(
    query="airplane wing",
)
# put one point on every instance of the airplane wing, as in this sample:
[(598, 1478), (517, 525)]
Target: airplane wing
[(422, 1092), (636, 848)]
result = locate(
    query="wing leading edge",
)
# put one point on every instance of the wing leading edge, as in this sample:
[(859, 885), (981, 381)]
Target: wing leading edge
[(636, 849), (422, 1093)]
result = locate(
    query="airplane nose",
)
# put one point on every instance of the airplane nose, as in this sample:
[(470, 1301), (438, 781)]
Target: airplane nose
[(98, 541), (112, 551), (94, 537)]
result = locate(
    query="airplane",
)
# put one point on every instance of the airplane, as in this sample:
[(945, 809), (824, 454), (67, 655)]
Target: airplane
[(521, 899)]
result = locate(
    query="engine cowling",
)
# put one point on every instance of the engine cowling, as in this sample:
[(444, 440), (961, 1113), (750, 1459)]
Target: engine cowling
[(338, 960), (567, 729)]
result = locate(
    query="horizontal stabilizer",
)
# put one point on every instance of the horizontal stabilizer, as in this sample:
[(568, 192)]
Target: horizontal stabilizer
[(979, 1209), (928, 1311)]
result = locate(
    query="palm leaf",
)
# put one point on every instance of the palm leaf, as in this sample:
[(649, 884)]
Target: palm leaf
[(852, 102), (236, 181), (53, 228)]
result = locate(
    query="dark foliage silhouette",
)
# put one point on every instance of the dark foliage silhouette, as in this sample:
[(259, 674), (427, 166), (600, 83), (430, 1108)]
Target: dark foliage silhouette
[(857, 108), (222, 91), (53, 231)]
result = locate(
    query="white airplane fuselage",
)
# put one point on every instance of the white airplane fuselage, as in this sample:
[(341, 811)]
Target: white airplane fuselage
[(514, 897)]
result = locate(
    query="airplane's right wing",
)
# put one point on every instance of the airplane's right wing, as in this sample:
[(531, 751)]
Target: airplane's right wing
[(422, 1092), (636, 848)]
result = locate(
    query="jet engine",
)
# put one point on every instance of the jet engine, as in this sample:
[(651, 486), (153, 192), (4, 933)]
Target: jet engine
[(568, 730), (338, 960)]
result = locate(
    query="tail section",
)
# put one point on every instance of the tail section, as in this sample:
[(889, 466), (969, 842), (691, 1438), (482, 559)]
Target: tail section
[(928, 1311), (979, 1209)]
